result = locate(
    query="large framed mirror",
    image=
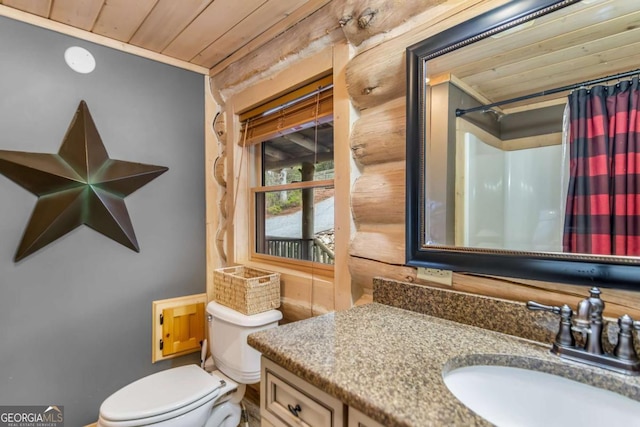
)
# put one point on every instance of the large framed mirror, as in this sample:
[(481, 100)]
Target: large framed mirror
[(523, 144)]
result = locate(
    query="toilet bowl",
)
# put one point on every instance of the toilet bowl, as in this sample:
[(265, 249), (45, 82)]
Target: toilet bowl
[(188, 395)]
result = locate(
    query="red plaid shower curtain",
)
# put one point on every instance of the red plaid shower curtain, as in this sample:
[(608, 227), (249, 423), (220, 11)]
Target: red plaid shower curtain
[(603, 200)]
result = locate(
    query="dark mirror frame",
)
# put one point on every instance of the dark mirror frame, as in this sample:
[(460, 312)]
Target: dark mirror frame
[(621, 273)]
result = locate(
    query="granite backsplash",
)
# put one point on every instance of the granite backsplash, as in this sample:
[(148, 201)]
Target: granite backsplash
[(509, 317)]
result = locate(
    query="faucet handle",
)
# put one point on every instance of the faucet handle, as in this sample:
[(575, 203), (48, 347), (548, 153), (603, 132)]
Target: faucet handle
[(536, 306), (564, 337), (624, 348)]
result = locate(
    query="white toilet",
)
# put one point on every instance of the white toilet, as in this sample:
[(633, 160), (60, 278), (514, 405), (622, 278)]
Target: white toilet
[(188, 395)]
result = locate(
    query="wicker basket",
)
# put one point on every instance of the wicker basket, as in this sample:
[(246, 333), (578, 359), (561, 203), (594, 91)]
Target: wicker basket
[(247, 290)]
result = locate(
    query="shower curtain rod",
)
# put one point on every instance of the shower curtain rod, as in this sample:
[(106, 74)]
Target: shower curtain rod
[(485, 108)]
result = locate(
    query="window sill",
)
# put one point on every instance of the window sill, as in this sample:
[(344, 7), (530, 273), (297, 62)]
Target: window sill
[(301, 269)]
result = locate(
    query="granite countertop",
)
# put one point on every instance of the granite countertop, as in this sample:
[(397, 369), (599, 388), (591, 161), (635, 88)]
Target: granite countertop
[(388, 362)]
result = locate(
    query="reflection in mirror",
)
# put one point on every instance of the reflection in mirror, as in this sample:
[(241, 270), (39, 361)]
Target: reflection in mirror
[(507, 198), (526, 141), (507, 173)]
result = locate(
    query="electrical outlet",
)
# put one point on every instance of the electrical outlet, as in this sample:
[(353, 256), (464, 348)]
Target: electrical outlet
[(443, 277)]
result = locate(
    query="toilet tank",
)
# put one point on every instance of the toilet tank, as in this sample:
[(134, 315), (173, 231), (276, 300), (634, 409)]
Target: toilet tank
[(228, 331)]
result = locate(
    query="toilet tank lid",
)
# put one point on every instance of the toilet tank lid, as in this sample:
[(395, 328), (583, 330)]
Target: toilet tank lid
[(160, 393), (227, 314)]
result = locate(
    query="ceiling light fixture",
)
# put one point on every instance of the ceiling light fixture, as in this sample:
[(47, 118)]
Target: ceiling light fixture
[(79, 60)]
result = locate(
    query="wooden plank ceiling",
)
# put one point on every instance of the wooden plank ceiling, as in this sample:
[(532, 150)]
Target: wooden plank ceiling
[(200, 32), (585, 41)]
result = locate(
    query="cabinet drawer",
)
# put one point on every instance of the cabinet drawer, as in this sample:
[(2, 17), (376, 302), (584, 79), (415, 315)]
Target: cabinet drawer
[(293, 406), (286, 400), (358, 419)]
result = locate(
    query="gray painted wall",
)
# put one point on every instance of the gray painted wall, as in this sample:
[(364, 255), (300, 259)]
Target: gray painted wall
[(75, 317)]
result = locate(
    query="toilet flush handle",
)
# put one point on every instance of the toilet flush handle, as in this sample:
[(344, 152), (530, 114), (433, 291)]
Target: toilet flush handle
[(209, 318)]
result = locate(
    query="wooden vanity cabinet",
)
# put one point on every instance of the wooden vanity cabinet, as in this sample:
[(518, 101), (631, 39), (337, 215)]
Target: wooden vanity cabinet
[(287, 400)]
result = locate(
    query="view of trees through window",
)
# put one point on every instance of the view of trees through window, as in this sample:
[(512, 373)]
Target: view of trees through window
[(294, 216), (278, 203)]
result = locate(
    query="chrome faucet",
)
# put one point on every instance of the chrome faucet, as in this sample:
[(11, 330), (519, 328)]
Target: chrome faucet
[(589, 322)]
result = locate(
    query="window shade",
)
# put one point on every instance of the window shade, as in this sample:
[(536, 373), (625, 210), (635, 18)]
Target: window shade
[(315, 105)]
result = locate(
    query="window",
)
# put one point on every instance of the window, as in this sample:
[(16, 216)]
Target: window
[(294, 190)]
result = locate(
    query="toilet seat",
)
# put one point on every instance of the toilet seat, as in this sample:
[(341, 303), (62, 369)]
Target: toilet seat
[(160, 396)]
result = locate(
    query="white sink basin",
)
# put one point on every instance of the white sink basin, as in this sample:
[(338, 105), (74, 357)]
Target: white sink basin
[(507, 396)]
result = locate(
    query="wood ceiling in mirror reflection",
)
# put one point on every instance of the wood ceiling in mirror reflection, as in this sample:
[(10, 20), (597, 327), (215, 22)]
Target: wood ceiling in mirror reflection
[(199, 32), (581, 42)]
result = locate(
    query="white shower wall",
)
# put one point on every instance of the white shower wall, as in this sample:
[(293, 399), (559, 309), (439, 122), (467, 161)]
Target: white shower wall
[(484, 198), (512, 199)]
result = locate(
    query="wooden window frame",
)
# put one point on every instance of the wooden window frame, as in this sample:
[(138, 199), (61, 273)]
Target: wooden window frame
[(325, 291), (298, 108), (305, 265)]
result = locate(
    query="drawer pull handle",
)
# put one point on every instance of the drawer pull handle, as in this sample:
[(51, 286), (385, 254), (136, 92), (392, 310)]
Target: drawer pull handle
[(294, 409)]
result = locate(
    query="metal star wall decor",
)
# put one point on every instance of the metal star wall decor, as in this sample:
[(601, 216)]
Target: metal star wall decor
[(79, 185)]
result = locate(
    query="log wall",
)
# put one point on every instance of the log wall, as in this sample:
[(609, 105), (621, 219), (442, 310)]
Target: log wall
[(376, 85)]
